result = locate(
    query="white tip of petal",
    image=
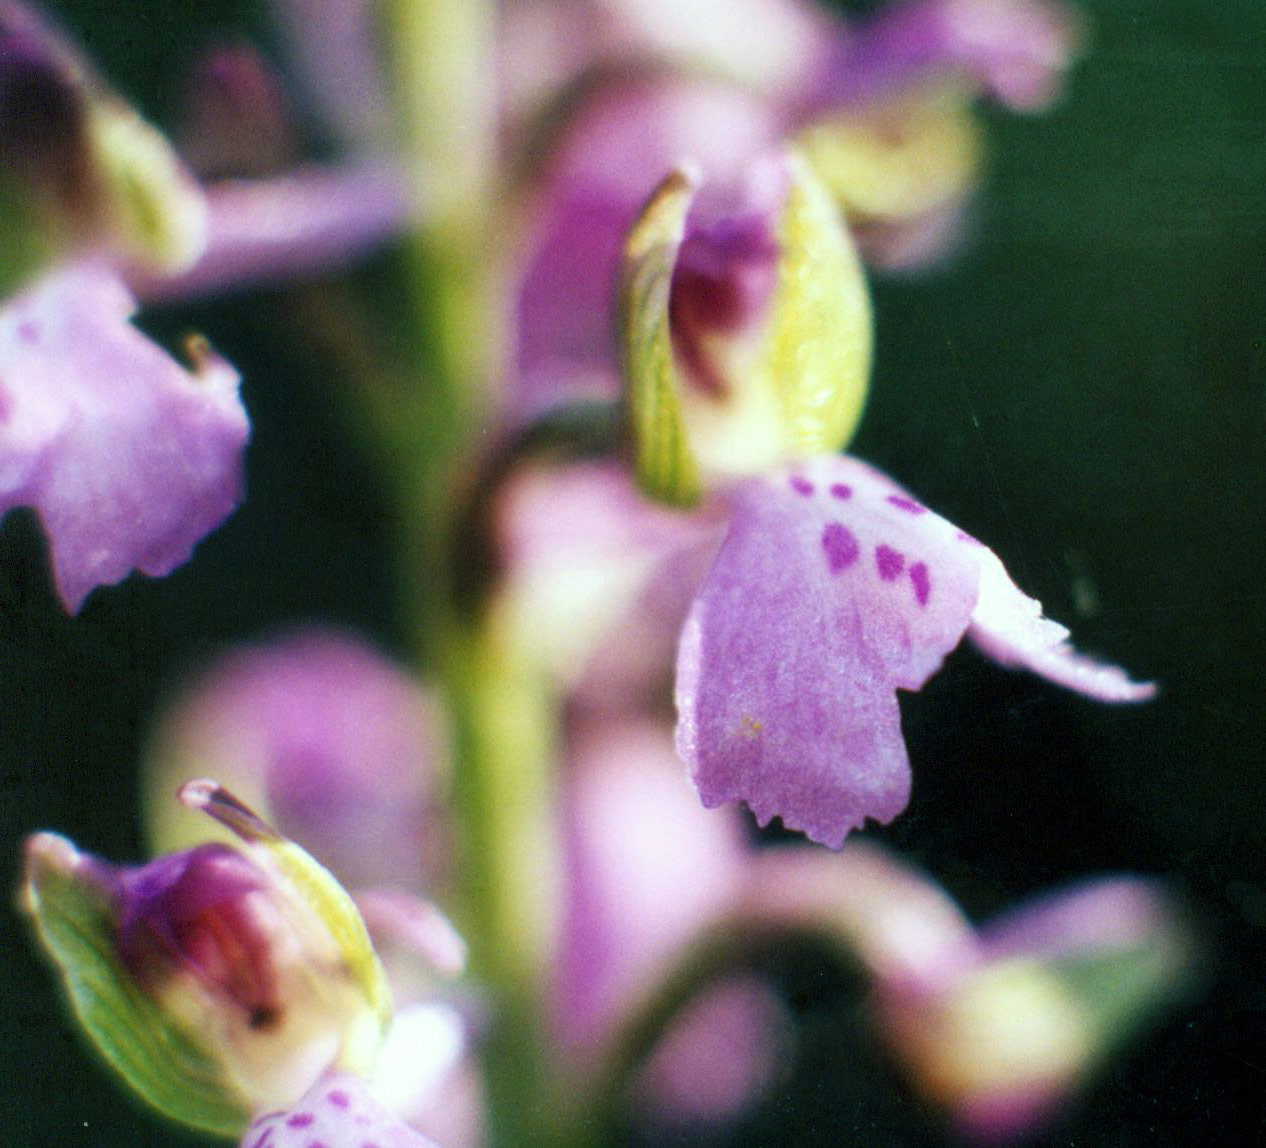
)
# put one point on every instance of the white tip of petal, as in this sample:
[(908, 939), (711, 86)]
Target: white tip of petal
[(1009, 627)]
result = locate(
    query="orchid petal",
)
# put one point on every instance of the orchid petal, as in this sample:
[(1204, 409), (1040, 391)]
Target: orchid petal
[(629, 914), (721, 1056), (1017, 50), (338, 1111), (273, 230), (128, 457), (832, 590), (340, 748), (1009, 627)]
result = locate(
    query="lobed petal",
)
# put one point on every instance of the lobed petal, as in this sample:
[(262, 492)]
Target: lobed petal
[(337, 1112), (832, 590), (129, 458)]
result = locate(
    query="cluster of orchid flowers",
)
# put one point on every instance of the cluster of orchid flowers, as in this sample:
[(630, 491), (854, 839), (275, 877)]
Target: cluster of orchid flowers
[(683, 200)]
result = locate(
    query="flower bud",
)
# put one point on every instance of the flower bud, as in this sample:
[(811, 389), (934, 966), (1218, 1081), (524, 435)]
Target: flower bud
[(1057, 987), (902, 169), (746, 327), (221, 981)]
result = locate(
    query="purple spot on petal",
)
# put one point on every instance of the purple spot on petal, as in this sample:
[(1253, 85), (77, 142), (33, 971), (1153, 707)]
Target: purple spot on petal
[(340, 1099), (963, 536), (840, 546), (922, 582), (29, 331), (317, 1144), (890, 562), (300, 1120), (801, 485), (906, 504), (841, 490)]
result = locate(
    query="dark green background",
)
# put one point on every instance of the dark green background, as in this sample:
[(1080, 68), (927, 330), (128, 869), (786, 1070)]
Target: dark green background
[(1085, 389)]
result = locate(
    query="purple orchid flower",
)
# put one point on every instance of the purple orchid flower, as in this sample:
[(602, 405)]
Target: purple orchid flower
[(1000, 1025), (832, 588), (226, 981), (128, 458), (1051, 988), (878, 105), (346, 754)]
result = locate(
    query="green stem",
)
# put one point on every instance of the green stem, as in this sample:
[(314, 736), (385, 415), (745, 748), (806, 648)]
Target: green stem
[(509, 875), (445, 73)]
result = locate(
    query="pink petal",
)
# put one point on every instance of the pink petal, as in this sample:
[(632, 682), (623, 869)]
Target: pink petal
[(340, 748), (903, 928), (720, 1056), (600, 579), (832, 590), (128, 457), (1017, 50), (1097, 916), (309, 222), (1009, 627), (337, 1112), (631, 910)]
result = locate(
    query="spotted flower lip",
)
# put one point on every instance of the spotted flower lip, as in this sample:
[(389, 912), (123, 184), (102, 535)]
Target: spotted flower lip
[(128, 458), (833, 589), (339, 1111)]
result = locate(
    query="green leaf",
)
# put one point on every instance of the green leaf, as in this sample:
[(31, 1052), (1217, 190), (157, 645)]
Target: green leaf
[(73, 918)]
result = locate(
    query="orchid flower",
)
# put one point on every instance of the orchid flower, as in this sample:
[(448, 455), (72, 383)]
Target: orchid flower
[(128, 457), (881, 109), (747, 336), (234, 985), (1000, 1025), (345, 753)]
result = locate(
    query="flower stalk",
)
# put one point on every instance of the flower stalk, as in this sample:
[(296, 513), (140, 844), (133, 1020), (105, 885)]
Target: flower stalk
[(442, 57)]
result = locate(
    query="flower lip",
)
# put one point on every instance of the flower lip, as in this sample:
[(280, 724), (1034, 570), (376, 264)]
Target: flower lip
[(832, 590)]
